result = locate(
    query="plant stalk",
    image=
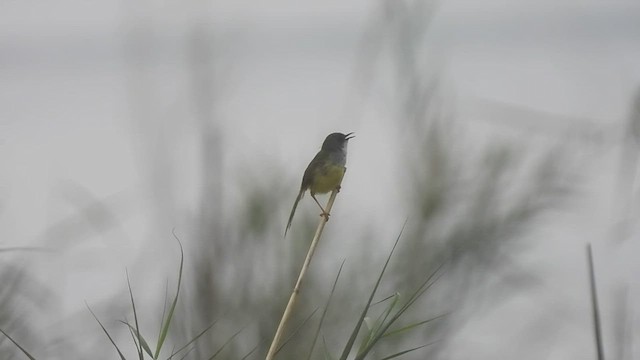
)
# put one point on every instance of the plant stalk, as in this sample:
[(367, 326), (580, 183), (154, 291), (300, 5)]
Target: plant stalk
[(296, 289)]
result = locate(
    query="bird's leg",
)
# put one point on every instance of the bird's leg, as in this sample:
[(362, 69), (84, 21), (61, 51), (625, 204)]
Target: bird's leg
[(324, 213)]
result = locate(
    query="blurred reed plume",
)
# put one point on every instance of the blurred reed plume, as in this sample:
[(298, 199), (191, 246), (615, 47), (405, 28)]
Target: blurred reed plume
[(468, 204)]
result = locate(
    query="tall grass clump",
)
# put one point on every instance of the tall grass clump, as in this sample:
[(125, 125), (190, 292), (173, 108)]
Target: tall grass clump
[(144, 348)]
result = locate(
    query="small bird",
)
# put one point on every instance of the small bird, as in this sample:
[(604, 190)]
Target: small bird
[(325, 171)]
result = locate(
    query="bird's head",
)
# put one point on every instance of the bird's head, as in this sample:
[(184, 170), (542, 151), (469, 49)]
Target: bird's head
[(336, 141)]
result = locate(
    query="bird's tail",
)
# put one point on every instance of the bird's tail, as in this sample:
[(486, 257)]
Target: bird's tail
[(293, 211)]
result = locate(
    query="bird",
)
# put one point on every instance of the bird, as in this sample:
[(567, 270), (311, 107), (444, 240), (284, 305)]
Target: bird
[(324, 173)]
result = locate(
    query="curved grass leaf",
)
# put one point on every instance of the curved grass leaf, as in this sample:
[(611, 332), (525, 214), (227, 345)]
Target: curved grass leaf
[(106, 332), (135, 318), (135, 342), (139, 338), (164, 329)]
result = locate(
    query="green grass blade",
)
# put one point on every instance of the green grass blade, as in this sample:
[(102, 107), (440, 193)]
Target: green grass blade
[(385, 299), (18, 345), (192, 340), (411, 326), (390, 308), (165, 326), (407, 351), (324, 312), (133, 337), (356, 330), (419, 292), (298, 328), (139, 338), (135, 318), (377, 325), (164, 307), (106, 332)]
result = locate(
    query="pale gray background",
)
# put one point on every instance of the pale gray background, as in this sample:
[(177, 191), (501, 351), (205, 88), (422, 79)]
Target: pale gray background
[(70, 132)]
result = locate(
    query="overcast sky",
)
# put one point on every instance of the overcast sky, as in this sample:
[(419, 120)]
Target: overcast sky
[(65, 115)]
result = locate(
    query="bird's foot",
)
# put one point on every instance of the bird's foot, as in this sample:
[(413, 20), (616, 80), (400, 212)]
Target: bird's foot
[(338, 188), (325, 215)]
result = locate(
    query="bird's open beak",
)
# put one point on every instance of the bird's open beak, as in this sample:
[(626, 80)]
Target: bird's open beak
[(349, 136)]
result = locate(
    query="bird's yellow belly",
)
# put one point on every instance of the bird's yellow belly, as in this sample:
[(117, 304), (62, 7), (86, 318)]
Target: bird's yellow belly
[(327, 179)]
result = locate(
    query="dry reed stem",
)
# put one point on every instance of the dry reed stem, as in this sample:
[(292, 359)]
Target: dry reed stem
[(296, 289)]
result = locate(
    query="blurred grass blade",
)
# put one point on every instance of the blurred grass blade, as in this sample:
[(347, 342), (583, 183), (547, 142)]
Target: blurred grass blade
[(356, 330), (106, 332), (385, 299), (250, 352), (192, 340), (415, 296), (595, 309), (411, 326), (424, 286), (390, 307), (370, 324), (135, 341), (298, 328), (407, 351), (327, 354), (139, 338), (187, 353), (324, 311), (135, 319), (18, 345), (227, 342), (165, 326), (25, 248)]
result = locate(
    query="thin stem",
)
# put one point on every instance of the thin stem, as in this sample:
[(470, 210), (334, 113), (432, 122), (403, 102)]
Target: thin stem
[(296, 289)]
